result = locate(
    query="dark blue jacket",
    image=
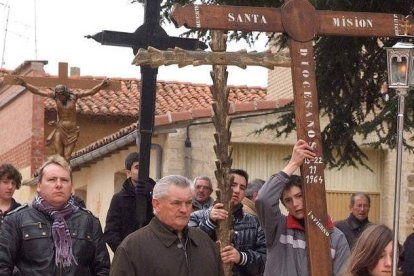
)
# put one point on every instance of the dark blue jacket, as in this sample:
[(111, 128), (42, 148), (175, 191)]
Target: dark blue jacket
[(248, 239)]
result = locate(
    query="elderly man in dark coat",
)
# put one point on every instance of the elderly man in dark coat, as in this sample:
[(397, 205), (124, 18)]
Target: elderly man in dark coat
[(355, 224), (167, 246)]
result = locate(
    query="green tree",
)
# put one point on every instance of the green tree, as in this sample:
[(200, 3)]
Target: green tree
[(349, 71)]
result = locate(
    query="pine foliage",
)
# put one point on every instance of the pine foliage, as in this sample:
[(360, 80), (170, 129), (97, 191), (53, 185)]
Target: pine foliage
[(349, 72)]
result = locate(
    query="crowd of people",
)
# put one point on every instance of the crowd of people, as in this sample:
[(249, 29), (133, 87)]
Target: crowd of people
[(168, 227)]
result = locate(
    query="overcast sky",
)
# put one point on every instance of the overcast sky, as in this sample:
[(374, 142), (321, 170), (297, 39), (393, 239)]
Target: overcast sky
[(58, 36)]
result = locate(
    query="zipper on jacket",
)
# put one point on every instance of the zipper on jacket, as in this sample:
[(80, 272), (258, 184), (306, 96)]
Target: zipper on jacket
[(184, 247)]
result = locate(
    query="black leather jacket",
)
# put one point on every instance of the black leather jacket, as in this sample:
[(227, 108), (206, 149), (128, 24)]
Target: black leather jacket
[(26, 242), (122, 216), (248, 239)]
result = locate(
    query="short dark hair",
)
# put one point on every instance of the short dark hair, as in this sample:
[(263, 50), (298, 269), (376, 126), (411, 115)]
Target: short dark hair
[(131, 158), (354, 195), (294, 181), (241, 173), (8, 171)]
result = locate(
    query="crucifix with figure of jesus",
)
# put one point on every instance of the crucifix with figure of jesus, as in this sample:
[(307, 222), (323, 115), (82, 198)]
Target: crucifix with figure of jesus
[(302, 23), (66, 132)]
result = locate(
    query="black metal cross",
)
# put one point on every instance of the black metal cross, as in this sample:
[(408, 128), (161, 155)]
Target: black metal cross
[(148, 34)]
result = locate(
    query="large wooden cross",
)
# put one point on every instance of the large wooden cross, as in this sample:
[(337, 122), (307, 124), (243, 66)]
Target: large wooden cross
[(62, 79), (219, 59), (301, 22)]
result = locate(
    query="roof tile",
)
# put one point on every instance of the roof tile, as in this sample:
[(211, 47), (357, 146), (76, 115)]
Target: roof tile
[(170, 97)]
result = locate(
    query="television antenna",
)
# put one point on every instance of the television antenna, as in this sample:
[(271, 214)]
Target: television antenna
[(6, 6)]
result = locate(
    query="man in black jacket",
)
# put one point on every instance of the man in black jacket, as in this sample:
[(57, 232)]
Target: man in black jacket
[(248, 252), (357, 221), (53, 236), (131, 208), (10, 180)]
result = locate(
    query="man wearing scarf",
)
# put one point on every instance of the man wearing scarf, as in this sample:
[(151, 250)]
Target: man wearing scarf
[(285, 235), (53, 236)]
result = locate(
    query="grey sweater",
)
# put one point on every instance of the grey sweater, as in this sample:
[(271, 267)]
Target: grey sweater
[(285, 242)]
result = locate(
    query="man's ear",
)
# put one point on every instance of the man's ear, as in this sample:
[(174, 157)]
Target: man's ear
[(155, 204), (128, 173)]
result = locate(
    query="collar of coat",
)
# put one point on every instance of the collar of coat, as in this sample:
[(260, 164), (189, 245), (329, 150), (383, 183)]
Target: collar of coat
[(293, 223), (355, 223), (167, 235)]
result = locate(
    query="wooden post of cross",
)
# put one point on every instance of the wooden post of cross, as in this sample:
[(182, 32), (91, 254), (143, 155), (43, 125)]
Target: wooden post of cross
[(62, 79), (219, 59), (302, 22)]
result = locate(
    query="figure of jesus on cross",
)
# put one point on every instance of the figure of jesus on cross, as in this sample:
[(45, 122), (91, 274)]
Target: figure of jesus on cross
[(66, 132)]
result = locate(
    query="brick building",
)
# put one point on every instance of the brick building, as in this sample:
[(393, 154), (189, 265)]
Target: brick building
[(182, 143)]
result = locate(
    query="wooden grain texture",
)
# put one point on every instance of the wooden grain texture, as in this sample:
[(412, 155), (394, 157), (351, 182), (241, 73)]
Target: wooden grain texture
[(312, 172), (181, 57)]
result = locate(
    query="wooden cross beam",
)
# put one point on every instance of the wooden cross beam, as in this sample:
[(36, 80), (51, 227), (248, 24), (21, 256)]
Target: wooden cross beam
[(71, 83), (155, 58), (302, 22), (274, 20), (219, 58)]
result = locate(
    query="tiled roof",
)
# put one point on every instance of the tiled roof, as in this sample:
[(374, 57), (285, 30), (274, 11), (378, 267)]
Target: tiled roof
[(176, 102), (170, 97), (172, 118)]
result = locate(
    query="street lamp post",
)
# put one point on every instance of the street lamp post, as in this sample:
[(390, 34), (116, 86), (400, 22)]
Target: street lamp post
[(400, 61)]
